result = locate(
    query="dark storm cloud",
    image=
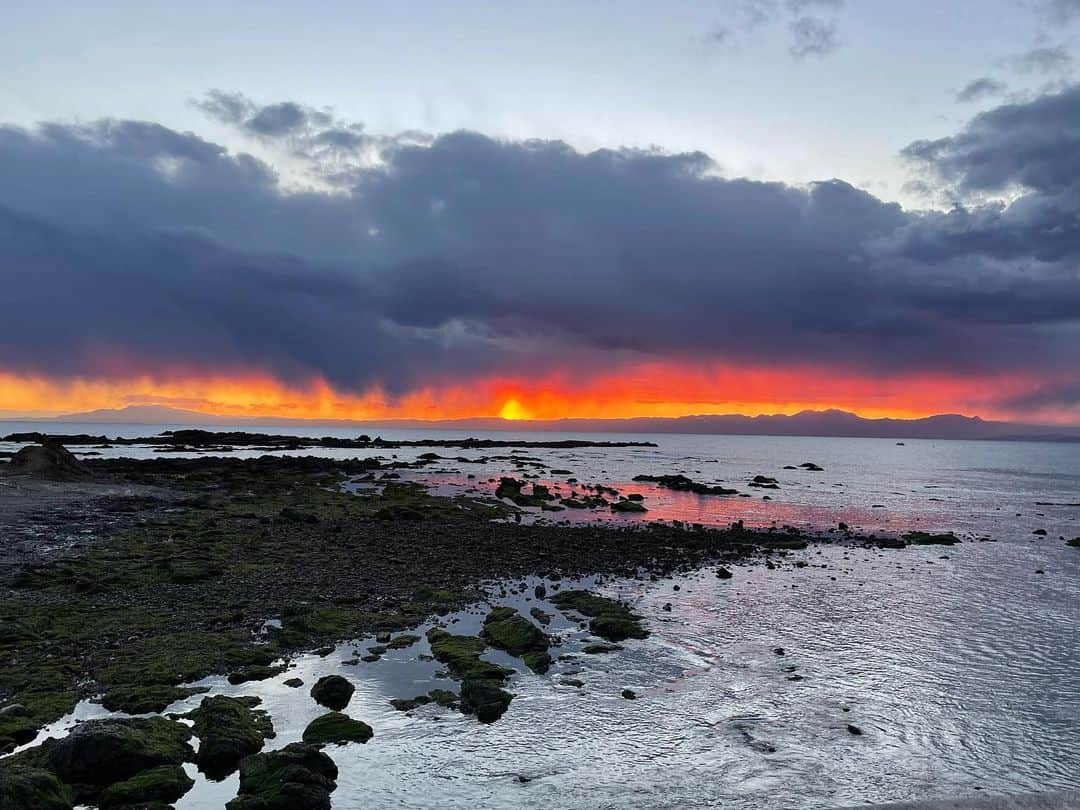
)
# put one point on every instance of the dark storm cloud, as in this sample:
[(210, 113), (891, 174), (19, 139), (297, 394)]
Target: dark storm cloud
[(460, 255), (981, 89), (1033, 145)]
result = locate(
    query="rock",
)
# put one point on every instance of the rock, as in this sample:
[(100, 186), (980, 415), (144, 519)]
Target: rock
[(779, 650), (257, 672), (402, 642), (929, 539), (629, 694), (723, 573), (335, 727), (486, 699), (23, 787), (508, 630), (599, 649), (100, 752), (461, 654), (764, 482), (854, 730), (163, 784), (540, 591), (294, 683), (333, 692), (1075, 542), (572, 682), (1040, 532), (541, 616), (680, 483), (15, 710), (228, 730), (611, 620), (48, 460), (810, 466), (298, 777), (382, 638), (145, 699)]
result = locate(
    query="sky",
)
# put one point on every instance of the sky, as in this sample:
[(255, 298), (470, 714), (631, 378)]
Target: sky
[(430, 210)]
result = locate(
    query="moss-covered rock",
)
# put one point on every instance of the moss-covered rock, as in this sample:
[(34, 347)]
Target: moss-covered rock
[(486, 699), (461, 654), (298, 777), (151, 699), (611, 620), (335, 727), (229, 729), (404, 641), (508, 630), (101, 752), (600, 649), (333, 692), (257, 672), (23, 786), (164, 784)]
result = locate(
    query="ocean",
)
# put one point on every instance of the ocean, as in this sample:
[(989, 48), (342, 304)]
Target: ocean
[(959, 665)]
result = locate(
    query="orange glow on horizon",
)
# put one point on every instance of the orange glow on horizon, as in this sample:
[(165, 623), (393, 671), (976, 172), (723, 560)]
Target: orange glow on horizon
[(643, 390)]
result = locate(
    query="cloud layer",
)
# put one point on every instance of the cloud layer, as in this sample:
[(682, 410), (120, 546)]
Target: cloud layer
[(403, 259)]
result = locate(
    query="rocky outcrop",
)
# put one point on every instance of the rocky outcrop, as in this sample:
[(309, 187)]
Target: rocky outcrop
[(333, 692), (229, 729), (101, 752), (298, 777), (335, 727)]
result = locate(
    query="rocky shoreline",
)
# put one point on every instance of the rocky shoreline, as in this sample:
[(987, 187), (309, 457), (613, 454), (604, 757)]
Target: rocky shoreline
[(185, 589)]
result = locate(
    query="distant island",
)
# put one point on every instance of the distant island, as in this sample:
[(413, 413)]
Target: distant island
[(827, 423)]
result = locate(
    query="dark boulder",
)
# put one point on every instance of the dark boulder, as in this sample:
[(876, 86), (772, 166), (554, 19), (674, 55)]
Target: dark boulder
[(160, 786), (100, 752), (333, 692), (298, 777), (228, 729), (48, 460), (335, 727)]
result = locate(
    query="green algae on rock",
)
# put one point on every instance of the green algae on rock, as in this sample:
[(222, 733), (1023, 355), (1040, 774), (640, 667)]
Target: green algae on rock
[(508, 630), (161, 785), (151, 699), (102, 752), (24, 786), (931, 539), (333, 692), (610, 620), (335, 727), (298, 777), (229, 729)]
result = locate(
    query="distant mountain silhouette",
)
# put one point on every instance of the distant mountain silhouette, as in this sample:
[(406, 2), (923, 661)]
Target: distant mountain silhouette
[(148, 415), (807, 423)]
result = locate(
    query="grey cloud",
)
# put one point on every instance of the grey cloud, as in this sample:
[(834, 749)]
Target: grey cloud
[(811, 33), (459, 254), (812, 36), (1034, 145), (1060, 11), (1044, 60), (981, 89)]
